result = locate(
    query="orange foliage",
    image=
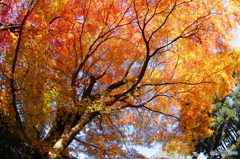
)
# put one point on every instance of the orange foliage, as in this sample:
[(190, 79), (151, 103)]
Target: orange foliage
[(109, 74)]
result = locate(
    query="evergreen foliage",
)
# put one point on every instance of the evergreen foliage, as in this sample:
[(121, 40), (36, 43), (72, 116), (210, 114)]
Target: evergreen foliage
[(226, 126)]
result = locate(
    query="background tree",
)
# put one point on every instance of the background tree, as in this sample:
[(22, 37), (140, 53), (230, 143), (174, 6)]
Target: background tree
[(226, 127), (225, 138), (98, 76)]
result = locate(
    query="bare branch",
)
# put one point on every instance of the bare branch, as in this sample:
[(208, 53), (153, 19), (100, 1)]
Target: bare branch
[(12, 80), (173, 83), (149, 109), (10, 26)]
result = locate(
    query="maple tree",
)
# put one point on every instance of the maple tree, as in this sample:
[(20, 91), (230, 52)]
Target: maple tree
[(97, 76)]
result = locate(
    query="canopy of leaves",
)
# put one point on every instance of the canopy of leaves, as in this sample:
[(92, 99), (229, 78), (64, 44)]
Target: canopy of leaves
[(100, 76)]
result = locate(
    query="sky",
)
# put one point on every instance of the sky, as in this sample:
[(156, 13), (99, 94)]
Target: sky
[(236, 41), (148, 152)]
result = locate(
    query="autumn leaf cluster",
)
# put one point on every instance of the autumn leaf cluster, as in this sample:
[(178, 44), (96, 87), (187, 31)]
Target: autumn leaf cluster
[(99, 76)]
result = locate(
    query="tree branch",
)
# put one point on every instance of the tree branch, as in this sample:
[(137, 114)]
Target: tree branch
[(10, 26), (144, 107), (173, 83), (12, 79)]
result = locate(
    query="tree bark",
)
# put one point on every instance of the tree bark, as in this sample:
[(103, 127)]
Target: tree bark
[(68, 135)]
